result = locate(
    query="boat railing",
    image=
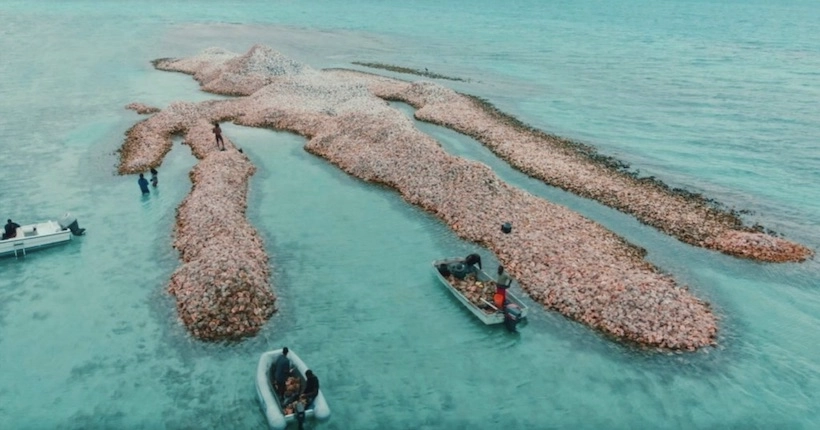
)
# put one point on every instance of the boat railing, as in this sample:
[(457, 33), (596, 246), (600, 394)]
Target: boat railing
[(489, 304)]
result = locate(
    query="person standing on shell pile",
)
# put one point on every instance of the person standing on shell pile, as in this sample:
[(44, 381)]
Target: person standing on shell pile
[(218, 135)]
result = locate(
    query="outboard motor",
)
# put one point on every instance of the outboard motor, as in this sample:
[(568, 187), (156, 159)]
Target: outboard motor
[(300, 415), (68, 221), (512, 315)]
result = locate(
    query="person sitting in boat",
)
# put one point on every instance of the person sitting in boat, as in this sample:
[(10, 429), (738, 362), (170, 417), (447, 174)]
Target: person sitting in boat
[(11, 230), (501, 284), (473, 262), (281, 371), (311, 387)]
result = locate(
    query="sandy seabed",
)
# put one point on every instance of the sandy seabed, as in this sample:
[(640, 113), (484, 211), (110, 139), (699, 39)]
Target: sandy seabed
[(565, 262)]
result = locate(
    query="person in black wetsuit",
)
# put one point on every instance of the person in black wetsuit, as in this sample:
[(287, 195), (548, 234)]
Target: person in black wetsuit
[(472, 261), (501, 284), (306, 398), (311, 387), (11, 230)]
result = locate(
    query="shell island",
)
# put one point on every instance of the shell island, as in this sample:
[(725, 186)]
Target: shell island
[(563, 260)]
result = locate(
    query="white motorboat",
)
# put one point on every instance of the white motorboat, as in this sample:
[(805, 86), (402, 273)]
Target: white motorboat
[(269, 402), (39, 235)]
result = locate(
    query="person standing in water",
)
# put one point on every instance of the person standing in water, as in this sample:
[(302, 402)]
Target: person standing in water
[(218, 134), (143, 183), (154, 178)]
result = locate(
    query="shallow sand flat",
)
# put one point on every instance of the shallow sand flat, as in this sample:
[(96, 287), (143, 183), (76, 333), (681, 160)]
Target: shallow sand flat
[(563, 260)]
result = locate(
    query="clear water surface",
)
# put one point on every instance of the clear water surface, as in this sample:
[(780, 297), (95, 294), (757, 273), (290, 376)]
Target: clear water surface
[(716, 97)]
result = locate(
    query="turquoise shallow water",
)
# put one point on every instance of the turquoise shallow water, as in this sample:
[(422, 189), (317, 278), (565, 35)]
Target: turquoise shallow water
[(716, 98)]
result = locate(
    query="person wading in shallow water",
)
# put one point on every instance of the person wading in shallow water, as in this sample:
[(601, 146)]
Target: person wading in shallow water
[(143, 183), (154, 177), (218, 134)]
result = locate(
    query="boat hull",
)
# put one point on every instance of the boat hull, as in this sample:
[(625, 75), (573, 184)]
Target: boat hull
[(485, 313), (35, 236), (268, 400)]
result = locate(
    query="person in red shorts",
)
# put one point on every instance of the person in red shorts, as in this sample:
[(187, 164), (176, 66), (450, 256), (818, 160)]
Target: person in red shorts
[(501, 284)]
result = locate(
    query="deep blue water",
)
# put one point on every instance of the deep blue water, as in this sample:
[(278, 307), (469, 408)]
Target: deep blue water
[(716, 97)]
